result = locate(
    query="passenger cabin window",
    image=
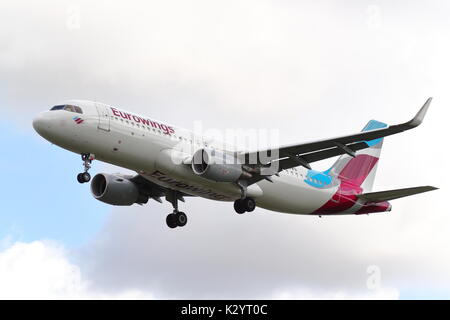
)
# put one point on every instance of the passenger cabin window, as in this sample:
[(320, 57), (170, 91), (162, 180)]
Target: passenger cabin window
[(69, 108)]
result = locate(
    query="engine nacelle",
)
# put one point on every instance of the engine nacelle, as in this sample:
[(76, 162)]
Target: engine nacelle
[(217, 166), (116, 190)]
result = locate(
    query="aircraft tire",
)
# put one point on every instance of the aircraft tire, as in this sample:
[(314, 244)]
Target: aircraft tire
[(239, 206), (86, 177), (171, 221), (80, 178), (249, 204), (181, 219)]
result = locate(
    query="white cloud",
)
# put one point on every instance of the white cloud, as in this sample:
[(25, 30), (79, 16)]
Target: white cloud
[(42, 270), (265, 255)]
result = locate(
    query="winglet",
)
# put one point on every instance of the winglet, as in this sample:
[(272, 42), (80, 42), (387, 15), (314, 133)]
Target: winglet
[(420, 115)]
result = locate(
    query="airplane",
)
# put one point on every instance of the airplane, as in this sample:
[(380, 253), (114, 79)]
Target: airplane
[(174, 163)]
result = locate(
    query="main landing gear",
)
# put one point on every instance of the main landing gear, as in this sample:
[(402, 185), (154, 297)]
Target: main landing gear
[(244, 205), (176, 218), (85, 177)]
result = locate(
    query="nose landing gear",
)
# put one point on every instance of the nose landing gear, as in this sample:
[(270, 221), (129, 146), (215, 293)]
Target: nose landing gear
[(85, 177)]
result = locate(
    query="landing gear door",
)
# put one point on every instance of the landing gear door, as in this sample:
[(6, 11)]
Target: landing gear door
[(103, 117)]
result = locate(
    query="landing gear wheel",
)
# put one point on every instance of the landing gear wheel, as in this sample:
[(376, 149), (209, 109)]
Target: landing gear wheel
[(84, 177), (244, 205), (80, 178), (249, 204), (171, 221), (181, 219), (239, 207)]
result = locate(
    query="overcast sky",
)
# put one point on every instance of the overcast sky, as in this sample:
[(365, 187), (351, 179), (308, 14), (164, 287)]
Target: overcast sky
[(311, 70)]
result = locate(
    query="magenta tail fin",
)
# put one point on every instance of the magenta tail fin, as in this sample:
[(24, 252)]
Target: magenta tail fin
[(360, 171)]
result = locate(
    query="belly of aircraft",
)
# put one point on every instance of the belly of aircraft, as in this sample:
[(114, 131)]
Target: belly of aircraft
[(289, 195)]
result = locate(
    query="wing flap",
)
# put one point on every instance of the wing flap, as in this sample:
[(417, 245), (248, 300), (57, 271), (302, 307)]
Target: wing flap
[(152, 190), (288, 162), (394, 194)]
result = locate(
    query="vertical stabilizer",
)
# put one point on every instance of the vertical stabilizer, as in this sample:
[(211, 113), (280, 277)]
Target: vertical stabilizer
[(360, 170)]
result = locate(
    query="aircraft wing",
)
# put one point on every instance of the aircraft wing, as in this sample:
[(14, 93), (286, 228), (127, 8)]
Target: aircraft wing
[(152, 190), (303, 154), (393, 194)]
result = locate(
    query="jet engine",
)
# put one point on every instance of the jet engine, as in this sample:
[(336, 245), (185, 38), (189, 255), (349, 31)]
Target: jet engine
[(116, 190), (217, 166)]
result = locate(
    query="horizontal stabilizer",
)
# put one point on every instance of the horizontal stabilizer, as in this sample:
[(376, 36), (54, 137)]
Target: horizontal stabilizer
[(393, 194)]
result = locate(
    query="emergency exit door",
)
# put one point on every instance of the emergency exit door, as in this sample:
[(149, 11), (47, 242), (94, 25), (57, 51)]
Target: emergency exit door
[(103, 117)]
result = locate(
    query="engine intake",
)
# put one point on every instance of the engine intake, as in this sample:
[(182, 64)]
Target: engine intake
[(116, 190), (217, 166)]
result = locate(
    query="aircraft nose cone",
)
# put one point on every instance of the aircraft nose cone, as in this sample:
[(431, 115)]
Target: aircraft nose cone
[(41, 124)]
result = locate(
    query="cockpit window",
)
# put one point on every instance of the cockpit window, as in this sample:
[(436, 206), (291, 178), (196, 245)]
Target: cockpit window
[(69, 108)]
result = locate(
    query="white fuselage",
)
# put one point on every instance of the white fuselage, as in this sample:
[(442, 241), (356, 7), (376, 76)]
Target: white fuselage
[(156, 151)]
